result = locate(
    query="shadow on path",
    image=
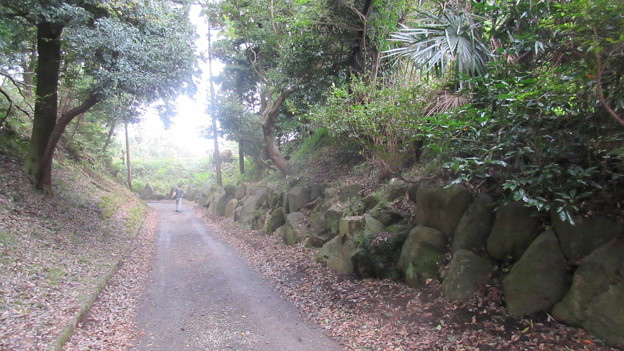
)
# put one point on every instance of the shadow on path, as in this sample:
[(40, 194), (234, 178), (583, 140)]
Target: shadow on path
[(202, 296)]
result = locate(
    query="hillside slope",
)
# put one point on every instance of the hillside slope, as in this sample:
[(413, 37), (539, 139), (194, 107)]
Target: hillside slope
[(56, 252)]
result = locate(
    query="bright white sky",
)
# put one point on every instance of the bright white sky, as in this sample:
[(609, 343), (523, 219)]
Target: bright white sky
[(191, 119)]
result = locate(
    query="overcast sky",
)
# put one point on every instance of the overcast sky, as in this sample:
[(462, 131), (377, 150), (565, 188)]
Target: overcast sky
[(191, 118)]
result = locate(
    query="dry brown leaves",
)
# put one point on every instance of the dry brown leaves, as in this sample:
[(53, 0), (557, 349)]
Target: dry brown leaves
[(52, 251), (385, 315), (109, 325)]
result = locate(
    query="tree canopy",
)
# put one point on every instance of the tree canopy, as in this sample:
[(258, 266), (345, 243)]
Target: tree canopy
[(100, 49)]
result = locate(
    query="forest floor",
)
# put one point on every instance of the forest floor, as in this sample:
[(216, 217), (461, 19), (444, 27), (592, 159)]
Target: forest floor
[(57, 251)]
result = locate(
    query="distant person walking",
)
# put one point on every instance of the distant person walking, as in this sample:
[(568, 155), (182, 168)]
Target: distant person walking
[(178, 194)]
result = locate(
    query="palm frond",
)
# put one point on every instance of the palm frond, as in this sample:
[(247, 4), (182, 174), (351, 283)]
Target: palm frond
[(438, 42)]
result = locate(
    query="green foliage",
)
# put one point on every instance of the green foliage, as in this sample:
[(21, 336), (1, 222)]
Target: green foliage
[(383, 121), (135, 218), (163, 173), (310, 144), (536, 139), (108, 205), (448, 42), (7, 239)]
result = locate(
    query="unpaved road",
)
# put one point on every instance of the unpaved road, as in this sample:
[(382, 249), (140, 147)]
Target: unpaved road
[(202, 296)]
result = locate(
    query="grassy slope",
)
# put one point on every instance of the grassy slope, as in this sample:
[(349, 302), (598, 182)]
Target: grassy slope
[(54, 250)]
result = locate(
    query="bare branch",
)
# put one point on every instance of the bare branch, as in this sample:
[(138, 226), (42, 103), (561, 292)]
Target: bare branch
[(253, 62), (600, 68), (8, 109), (16, 83), (355, 10)]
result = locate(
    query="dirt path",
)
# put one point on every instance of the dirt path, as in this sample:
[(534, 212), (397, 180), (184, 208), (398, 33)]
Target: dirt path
[(202, 296)]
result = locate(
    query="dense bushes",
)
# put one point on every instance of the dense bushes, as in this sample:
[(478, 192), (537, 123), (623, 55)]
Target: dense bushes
[(541, 124)]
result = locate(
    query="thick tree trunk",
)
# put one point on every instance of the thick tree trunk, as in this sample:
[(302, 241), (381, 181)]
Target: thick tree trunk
[(46, 104), (269, 118), (43, 175)]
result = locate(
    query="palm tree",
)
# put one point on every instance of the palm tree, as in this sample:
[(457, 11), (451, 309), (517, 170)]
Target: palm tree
[(443, 44)]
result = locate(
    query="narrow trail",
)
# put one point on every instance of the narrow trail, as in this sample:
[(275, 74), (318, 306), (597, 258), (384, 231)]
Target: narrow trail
[(202, 296)]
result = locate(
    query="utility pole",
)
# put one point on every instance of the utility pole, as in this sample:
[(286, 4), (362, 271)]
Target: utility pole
[(217, 156)]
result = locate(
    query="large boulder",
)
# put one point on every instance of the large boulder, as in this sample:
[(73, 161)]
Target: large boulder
[(258, 219), (513, 231), (421, 255), (316, 191), (230, 208), (214, 199), (370, 201), (295, 228), (275, 219), (387, 215), (348, 192), (333, 215), (331, 193), (595, 299), (147, 193), (377, 251), (475, 225), (297, 198), (337, 252), (319, 230), (252, 203), (539, 279), (466, 273), (395, 189), (191, 192), (371, 225), (350, 227), (586, 235), (206, 194), (275, 197), (442, 208), (241, 191), (606, 316)]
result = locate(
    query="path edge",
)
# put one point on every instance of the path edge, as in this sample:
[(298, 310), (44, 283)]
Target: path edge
[(101, 283)]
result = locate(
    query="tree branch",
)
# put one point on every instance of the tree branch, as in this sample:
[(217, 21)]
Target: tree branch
[(600, 68), (62, 123), (19, 89), (253, 66), (15, 83), (8, 109)]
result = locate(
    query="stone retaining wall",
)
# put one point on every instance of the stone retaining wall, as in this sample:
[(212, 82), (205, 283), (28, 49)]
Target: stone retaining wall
[(574, 272)]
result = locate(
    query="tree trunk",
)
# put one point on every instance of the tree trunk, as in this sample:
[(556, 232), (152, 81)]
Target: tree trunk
[(128, 158), (43, 174), (109, 137), (46, 104), (269, 118), (217, 155), (28, 66), (241, 158), (360, 50)]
